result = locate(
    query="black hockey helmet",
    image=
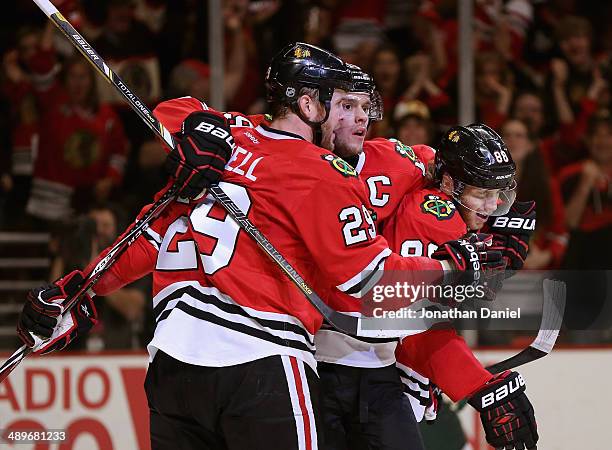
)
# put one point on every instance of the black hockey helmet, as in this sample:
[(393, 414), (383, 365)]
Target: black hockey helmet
[(362, 82), (301, 65), (476, 155)]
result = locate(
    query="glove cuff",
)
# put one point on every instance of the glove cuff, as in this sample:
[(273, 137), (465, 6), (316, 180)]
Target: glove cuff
[(195, 118)]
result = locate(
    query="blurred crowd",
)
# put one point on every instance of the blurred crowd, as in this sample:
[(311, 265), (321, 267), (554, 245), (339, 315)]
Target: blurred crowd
[(71, 151)]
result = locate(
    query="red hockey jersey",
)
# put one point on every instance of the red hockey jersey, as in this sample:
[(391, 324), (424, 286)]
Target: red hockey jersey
[(391, 171), (212, 283), (77, 149), (423, 221)]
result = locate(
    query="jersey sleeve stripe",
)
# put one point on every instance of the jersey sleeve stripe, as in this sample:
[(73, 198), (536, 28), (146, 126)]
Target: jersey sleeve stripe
[(154, 238), (415, 385), (361, 283)]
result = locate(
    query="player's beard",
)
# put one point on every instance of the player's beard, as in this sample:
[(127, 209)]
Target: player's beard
[(345, 146), (327, 140), (327, 136)]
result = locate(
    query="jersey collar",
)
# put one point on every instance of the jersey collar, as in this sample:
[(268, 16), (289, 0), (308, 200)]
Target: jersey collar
[(360, 162), (273, 133)]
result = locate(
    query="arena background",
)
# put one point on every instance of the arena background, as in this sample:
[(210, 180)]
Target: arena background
[(76, 165)]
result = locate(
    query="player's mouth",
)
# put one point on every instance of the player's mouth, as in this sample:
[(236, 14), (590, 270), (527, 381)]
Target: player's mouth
[(361, 132), (482, 216)]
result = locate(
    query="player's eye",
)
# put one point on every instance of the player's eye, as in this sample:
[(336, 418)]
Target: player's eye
[(347, 106)]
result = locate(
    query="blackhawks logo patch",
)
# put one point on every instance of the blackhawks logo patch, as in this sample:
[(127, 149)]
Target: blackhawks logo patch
[(300, 52), (340, 165), (440, 208), (405, 151)]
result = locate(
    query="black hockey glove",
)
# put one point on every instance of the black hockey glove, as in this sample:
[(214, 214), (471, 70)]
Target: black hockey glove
[(44, 327), (511, 233), (472, 252), (506, 412), (476, 263), (203, 150)]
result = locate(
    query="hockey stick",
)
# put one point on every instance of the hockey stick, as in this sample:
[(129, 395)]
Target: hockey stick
[(553, 306), (92, 278), (360, 326)]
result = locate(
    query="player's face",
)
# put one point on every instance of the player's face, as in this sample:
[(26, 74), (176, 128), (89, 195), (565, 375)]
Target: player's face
[(351, 115), (476, 205)]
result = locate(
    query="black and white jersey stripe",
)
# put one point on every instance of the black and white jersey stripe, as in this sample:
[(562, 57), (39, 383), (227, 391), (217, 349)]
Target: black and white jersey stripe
[(216, 321), (360, 284), (153, 237), (416, 387)]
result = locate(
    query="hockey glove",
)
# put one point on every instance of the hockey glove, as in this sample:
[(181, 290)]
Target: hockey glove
[(476, 263), (473, 252), (204, 148), (511, 233), (506, 412), (44, 327)]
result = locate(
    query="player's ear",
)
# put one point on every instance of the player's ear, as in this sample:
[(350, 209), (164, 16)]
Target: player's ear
[(310, 107), (447, 185)]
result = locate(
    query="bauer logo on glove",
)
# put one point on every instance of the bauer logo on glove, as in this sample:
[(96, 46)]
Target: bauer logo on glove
[(204, 147)]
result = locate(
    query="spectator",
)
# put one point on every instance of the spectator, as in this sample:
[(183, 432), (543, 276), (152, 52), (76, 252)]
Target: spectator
[(128, 47), (493, 89), (146, 177), (31, 66), (121, 313), (566, 145), (22, 149), (6, 179), (413, 123), (243, 82), (586, 188), (190, 78), (528, 107), (572, 75), (83, 149), (421, 85), (356, 28), (534, 182), (388, 73)]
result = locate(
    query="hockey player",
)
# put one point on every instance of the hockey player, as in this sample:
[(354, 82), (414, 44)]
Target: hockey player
[(232, 355), (362, 400), (473, 169)]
